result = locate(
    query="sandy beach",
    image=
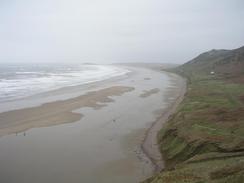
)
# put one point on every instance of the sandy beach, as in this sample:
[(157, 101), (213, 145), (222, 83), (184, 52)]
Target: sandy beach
[(150, 144), (57, 112), (101, 132)]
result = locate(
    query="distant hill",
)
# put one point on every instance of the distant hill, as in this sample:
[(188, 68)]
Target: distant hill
[(228, 63)]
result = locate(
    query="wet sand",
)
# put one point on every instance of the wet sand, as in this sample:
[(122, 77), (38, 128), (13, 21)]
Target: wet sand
[(58, 112), (87, 134), (150, 144), (149, 92)]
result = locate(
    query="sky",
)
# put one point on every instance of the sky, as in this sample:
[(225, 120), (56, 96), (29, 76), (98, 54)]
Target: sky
[(114, 31)]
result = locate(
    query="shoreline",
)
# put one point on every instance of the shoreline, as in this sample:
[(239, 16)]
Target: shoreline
[(150, 146), (57, 112), (72, 78), (98, 120), (66, 92)]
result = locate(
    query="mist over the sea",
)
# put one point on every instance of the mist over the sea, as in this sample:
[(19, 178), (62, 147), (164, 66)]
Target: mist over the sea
[(108, 31)]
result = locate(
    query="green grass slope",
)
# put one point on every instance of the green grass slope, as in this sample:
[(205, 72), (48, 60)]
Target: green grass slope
[(228, 64), (204, 140)]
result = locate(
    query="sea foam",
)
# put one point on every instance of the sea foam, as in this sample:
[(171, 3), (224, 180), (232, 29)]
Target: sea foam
[(24, 80)]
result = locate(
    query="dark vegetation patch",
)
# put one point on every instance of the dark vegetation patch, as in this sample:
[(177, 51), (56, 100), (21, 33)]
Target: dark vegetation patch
[(227, 171), (242, 98)]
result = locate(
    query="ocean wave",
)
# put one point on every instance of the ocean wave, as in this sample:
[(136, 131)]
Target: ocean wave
[(26, 83)]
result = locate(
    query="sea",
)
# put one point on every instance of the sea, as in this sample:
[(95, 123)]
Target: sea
[(22, 80)]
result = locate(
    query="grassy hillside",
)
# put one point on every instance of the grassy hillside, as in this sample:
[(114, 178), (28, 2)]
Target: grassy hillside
[(228, 64), (204, 140)]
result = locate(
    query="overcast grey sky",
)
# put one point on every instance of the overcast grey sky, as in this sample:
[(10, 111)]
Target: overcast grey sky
[(117, 30)]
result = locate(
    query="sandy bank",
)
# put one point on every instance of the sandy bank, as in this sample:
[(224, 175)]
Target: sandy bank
[(58, 112), (150, 144), (148, 93)]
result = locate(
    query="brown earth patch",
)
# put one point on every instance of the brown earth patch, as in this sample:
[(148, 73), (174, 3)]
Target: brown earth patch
[(242, 98), (223, 115)]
